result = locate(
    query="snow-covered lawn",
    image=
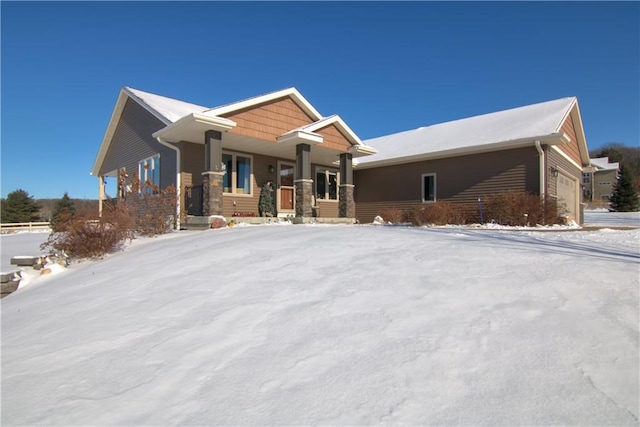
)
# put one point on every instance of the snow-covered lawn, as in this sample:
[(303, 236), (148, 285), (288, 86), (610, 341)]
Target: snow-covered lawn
[(282, 325), (19, 244), (602, 217)]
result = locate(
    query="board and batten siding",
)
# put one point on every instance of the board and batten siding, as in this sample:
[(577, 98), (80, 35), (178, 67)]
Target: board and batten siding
[(461, 179), (269, 120), (132, 142)]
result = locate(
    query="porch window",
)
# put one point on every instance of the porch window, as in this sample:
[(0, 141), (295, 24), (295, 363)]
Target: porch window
[(149, 173), (428, 187), (326, 184), (237, 179)]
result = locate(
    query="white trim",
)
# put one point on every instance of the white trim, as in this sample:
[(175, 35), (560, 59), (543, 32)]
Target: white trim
[(577, 190), (300, 137), (435, 187), (178, 179), (234, 175), (173, 131), (566, 157), (146, 106), (552, 139), (292, 92), (326, 170)]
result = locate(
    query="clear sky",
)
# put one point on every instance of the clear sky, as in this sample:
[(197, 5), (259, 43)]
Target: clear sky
[(383, 67)]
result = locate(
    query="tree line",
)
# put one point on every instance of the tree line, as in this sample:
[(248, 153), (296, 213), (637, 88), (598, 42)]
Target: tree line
[(19, 206)]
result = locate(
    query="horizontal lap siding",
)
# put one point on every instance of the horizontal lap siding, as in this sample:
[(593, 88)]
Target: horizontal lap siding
[(132, 142), (458, 179), (333, 139), (571, 149), (269, 120), (556, 161), (328, 209), (260, 176)]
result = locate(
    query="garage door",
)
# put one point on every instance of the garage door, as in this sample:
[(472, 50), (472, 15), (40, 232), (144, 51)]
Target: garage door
[(566, 190)]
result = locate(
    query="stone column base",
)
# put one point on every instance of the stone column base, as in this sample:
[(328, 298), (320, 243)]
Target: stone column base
[(304, 193), (212, 193), (347, 207)]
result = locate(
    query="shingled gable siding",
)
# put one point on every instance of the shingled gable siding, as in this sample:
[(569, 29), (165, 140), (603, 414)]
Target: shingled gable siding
[(269, 120), (334, 139), (459, 179), (132, 142), (571, 149)]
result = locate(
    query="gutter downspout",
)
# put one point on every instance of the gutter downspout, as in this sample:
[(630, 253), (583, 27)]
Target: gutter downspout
[(543, 180), (178, 176)]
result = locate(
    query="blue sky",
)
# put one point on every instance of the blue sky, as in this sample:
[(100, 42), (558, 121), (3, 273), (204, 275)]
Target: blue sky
[(384, 67)]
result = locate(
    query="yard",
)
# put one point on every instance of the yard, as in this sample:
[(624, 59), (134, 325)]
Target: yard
[(281, 325)]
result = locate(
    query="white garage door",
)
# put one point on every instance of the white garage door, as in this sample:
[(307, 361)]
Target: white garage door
[(567, 190)]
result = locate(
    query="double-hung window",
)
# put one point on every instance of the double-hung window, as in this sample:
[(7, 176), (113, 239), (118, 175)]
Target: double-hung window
[(428, 187), (237, 179), (326, 184), (149, 173)]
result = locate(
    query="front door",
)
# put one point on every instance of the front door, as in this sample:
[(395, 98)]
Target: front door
[(285, 188)]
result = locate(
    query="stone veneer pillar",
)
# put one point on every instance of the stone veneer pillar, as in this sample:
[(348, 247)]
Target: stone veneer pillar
[(347, 206), (212, 193), (304, 192)]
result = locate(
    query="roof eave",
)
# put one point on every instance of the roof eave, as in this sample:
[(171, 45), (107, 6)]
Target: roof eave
[(173, 131), (551, 139)]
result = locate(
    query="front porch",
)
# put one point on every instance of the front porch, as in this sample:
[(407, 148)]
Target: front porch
[(225, 160)]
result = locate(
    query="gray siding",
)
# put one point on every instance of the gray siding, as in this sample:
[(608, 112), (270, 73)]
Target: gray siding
[(132, 142), (459, 179)]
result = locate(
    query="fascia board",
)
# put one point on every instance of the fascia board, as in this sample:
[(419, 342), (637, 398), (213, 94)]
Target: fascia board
[(551, 139), (110, 131), (293, 92), (300, 136), (215, 123)]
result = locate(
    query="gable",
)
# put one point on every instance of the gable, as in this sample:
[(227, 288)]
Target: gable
[(132, 140), (572, 149), (333, 138), (269, 120)]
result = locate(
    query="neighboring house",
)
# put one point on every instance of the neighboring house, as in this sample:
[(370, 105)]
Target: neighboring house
[(599, 179), (219, 158), (538, 148)]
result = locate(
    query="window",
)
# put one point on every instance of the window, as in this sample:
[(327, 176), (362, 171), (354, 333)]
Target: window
[(237, 179), (604, 183), (428, 187), (149, 173), (586, 178), (326, 184)]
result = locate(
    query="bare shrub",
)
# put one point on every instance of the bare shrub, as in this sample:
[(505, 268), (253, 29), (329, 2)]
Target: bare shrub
[(393, 215), (86, 236), (520, 209), (438, 213)]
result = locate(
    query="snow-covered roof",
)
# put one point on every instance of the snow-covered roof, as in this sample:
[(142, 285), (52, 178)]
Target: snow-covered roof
[(484, 131), (168, 108), (602, 163)]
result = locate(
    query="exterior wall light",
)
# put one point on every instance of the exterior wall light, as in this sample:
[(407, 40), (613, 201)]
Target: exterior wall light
[(271, 169)]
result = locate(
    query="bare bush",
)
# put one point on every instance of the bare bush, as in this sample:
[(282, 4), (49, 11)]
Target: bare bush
[(521, 209), (394, 215), (438, 213), (86, 236)]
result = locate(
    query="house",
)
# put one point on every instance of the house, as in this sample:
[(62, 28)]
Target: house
[(538, 149), (219, 158), (600, 179)]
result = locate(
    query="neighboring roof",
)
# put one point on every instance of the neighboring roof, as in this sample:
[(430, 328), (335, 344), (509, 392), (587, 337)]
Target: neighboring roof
[(166, 109), (602, 163), (497, 130)]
